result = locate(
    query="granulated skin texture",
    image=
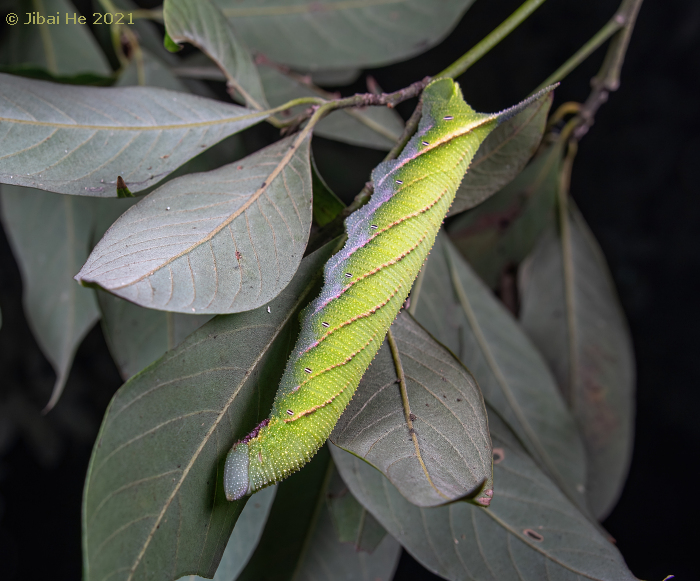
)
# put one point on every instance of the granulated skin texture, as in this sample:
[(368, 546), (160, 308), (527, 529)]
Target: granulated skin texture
[(365, 285)]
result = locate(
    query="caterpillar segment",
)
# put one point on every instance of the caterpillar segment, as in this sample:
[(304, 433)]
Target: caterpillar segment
[(365, 285)]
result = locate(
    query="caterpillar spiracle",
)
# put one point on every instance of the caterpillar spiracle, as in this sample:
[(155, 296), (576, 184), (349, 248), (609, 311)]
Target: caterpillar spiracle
[(365, 285)]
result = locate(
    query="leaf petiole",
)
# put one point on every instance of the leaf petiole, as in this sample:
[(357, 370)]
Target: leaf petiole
[(491, 39)]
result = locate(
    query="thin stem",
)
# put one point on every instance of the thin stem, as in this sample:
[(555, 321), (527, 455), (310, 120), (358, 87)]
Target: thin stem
[(295, 103), (492, 39), (608, 78), (609, 75), (610, 28)]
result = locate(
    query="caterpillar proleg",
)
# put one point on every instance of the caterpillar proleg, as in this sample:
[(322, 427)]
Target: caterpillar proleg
[(365, 285)]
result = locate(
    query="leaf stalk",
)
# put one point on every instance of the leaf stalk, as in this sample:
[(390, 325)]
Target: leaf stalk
[(491, 40)]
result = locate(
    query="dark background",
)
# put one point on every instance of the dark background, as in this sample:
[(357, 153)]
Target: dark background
[(635, 181)]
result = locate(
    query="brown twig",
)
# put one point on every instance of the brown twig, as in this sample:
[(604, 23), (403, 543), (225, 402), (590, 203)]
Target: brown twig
[(608, 78)]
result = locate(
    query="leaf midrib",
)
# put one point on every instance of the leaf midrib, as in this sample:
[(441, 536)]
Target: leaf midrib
[(284, 161), (186, 125), (495, 367), (398, 364)]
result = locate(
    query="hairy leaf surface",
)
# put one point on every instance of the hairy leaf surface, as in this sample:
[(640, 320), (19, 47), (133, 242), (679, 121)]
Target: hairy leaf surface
[(503, 155), (77, 140), (201, 23), (153, 506), (530, 532), (330, 34), (434, 446), (458, 310), (223, 241), (503, 230), (574, 317)]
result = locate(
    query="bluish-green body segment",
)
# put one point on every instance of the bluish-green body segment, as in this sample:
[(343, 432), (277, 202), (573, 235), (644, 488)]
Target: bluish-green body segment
[(365, 285)]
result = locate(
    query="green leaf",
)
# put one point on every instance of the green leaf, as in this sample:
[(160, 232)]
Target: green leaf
[(137, 336), (351, 521), (153, 503), (530, 531), (50, 237), (62, 49), (434, 445), (327, 34), (201, 23), (375, 127), (503, 155), (326, 204), (309, 550), (245, 536), (460, 312), (574, 317), (223, 241), (77, 140), (503, 230)]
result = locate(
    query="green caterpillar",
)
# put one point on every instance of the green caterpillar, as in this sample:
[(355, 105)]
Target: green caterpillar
[(365, 285)]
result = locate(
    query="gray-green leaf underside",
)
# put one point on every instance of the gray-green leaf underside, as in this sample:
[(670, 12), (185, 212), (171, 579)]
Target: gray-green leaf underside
[(330, 34), (245, 536), (77, 140), (575, 319), (503, 230), (137, 336), (223, 241), (530, 532), (352, 522), (460, 312), (201, 23), (300, 543), (451, 456), (154, 506), (62, 49), (503, 155), (149, 70), (50, 237)]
